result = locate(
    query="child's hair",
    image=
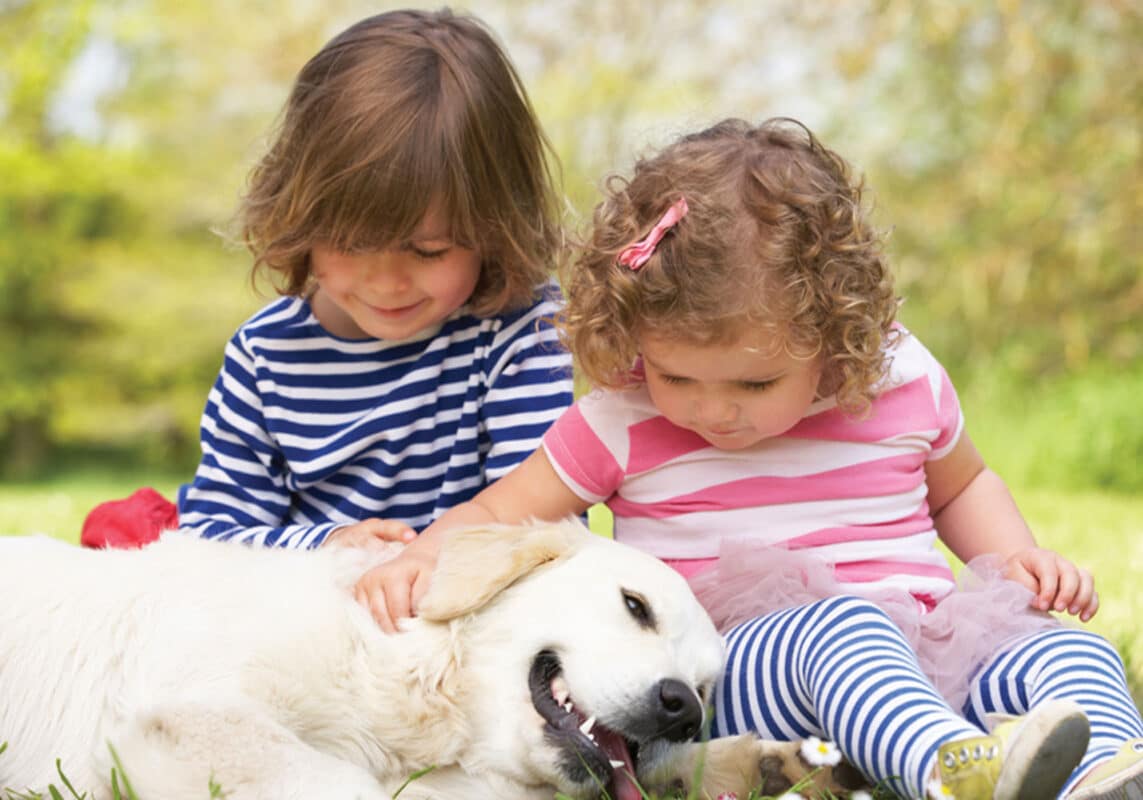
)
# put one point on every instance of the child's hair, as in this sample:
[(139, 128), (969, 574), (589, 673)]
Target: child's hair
[(400, 111), (775, 239)]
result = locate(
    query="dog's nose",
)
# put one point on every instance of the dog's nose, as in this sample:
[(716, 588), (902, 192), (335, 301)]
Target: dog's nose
[(679, 711)]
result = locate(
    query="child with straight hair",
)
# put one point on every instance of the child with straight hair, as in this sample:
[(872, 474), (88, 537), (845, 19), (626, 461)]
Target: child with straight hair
[(762, 423), (406, 210)]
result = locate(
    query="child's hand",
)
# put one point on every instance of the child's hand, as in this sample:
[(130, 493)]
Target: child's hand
[(1058, 583), (370, 532), (391, 590)]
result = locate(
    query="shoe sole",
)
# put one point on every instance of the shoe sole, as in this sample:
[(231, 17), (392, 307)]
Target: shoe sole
[(1038, 766), (1124, 785)]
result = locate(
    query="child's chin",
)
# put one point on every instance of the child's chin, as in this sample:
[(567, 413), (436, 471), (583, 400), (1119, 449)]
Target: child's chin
[(732, 441)]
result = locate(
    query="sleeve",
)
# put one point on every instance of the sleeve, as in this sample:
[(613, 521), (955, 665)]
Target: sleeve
[(239, 490), (949, 415), (529, 384), (580, 456)]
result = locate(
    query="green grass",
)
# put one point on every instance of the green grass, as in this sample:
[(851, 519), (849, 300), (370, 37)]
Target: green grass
[(57, 507), (1102, 531), (121, 788), (120, 785)]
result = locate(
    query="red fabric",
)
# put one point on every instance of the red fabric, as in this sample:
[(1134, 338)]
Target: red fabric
[(131, 522)]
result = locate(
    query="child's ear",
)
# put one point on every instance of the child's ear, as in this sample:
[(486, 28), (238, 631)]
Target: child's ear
[(477, 563)]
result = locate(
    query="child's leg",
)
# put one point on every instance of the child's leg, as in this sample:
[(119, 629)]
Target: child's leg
[(1062, 663), (840, 669)]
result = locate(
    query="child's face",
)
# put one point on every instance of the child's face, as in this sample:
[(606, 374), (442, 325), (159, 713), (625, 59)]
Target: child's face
[(396, 293), (732, 395)]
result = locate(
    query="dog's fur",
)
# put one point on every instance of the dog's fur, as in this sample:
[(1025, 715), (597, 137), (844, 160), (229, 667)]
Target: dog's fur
[(254, 669)]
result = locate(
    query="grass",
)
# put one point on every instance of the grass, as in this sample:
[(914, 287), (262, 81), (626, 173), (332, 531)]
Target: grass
[(1102, 531), (120, 786), (57, 507)]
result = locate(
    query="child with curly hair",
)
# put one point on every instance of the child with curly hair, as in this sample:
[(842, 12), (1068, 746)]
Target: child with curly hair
[(762, 423), (407, 212)]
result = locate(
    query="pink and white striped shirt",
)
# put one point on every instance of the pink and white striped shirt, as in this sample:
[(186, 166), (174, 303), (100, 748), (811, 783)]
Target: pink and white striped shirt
[(851, 491)]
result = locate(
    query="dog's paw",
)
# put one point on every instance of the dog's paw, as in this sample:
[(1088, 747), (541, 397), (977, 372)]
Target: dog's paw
[(747, 766), (782, 766)]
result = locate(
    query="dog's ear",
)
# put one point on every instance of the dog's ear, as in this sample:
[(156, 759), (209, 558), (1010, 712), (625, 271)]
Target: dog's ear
[(477, 563)]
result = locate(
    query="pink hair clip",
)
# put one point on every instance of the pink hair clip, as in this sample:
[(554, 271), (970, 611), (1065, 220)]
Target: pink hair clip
[(636, 255)]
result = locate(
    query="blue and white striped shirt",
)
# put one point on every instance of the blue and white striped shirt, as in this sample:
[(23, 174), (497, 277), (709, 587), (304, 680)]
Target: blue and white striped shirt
[(304, 432)]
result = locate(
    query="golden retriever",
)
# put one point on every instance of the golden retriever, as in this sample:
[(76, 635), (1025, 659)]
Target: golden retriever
[(543, 658)]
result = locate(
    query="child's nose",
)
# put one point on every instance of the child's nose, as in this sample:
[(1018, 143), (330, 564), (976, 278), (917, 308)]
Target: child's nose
[(386, 270), (715, 410)]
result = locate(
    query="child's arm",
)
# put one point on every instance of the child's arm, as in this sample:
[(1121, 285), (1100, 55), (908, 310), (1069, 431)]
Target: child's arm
[(533, 490), (974, 513), (239, 491), (370, 532)]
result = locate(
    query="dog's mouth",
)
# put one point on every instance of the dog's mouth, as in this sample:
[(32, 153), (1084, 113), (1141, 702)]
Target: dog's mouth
[(593, 753)]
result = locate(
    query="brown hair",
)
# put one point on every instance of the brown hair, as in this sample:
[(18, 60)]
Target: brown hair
[(776, 239), (399, 111)]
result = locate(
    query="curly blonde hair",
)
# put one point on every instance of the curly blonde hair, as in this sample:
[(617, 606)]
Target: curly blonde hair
[(776, 239), (399, 111)]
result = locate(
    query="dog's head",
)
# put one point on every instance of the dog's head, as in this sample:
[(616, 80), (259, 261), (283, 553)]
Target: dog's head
[(583, 656)]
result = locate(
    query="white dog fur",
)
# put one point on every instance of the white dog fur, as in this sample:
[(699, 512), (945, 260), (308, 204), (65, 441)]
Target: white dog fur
[(254, 670)]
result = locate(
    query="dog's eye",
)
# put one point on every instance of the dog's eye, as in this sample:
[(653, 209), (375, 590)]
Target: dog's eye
[(637, 607)]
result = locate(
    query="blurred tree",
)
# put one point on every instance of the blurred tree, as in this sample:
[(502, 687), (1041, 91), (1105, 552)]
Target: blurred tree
[(132, 315), (116, 294), (53, 206), (1007, 152), (1002, 141)]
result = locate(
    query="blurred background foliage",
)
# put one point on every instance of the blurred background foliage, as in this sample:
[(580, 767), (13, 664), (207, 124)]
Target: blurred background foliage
[(1001, 140)]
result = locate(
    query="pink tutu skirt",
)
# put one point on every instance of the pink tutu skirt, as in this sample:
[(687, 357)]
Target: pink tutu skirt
[(968, 627)]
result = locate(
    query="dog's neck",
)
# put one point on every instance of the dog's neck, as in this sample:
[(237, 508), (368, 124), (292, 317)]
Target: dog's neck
[(425, 669)]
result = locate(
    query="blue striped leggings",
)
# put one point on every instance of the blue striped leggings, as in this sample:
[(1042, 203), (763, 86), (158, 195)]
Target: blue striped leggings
[(840, 669)]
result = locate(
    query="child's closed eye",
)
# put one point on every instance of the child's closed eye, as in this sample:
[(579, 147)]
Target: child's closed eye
[(749, 386), (428, 253)]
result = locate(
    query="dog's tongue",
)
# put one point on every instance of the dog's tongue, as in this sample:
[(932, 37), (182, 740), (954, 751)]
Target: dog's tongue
[(614, 746)]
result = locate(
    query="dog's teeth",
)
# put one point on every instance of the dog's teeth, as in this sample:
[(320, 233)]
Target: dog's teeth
[(559, 689), (587, 725), (617, 764)]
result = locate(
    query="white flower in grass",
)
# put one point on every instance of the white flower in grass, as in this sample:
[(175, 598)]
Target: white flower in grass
[(938, 791), (861, 794), (790, 796), (820, 754)]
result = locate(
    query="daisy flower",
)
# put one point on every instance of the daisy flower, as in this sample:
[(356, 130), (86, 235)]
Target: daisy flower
[(727, 796), (937, 791), (790, 796), (820, 754), (861, 794)]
